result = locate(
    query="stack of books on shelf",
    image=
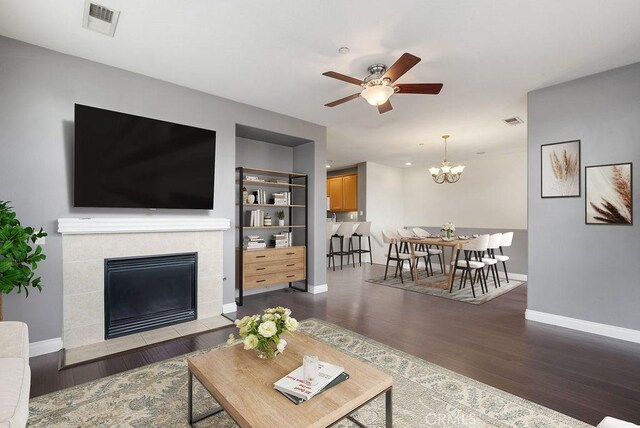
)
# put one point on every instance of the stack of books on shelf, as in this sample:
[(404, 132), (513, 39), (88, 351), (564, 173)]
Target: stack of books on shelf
[(261, 196), (252, 178), (254, 218), (281, 198), (252, 242), (295, 389), (280, 240)]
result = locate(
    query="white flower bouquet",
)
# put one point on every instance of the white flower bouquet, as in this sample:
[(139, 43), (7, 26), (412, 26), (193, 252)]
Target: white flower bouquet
[(448, 229), (262, 331)]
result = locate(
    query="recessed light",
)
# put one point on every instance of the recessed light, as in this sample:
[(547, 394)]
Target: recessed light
[(328, 166), (344, 50), (407, 163)]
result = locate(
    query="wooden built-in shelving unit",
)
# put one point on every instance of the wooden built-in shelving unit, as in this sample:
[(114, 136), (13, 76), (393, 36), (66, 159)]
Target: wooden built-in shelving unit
[(270, 266)]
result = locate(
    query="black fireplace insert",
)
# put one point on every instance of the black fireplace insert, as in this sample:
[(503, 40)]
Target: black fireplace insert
[(143, 293)]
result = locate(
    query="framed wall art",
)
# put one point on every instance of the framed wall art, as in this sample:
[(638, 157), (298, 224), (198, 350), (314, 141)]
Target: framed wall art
[(560, 169), (609, 194)]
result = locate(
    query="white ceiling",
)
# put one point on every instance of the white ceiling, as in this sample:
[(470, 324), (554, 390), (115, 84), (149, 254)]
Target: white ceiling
[(270, 54)]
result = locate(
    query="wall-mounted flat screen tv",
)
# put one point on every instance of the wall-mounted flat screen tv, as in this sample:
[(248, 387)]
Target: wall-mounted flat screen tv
[(127, 161)]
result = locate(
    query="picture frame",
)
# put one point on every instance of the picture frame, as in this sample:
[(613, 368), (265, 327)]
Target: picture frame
[(560, 170), (608, 192)]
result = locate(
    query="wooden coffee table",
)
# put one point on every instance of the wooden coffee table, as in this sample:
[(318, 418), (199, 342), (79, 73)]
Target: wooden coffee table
[(243, 385)]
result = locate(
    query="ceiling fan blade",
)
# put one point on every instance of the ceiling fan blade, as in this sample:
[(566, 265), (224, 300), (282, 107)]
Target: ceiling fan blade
[(419, 88), (401, 66), (342, 100), (383, 108), (343, 77)]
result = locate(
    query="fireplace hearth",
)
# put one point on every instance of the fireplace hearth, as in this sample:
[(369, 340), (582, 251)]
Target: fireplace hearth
[(148, 292)]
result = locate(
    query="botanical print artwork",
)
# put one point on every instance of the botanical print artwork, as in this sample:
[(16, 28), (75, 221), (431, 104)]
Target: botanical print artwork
[(561, 169), (609, 194)]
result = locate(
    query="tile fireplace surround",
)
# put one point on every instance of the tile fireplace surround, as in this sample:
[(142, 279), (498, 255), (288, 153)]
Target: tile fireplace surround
[(87, 242)]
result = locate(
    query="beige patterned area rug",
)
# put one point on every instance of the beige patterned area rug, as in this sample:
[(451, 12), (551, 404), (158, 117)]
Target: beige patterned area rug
[(425, 395), (437, 286)]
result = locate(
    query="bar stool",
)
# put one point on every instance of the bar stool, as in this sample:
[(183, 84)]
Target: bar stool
[(345, 230), (330, 232), (363, 231)]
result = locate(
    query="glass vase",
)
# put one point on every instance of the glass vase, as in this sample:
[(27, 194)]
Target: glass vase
[(266, 352)]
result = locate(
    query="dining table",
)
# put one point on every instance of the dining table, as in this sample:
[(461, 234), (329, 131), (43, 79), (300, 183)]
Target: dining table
[(455, 243)]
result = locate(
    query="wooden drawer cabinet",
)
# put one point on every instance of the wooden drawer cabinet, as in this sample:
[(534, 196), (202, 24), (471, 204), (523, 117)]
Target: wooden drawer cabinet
[(273, 266)]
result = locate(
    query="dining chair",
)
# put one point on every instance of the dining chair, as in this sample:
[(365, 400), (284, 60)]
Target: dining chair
[(392, 239), (330, 254), (345, 231), (421, 233), (491, 261), (406, 233), (363, 231), (471, 264), (507, 239)]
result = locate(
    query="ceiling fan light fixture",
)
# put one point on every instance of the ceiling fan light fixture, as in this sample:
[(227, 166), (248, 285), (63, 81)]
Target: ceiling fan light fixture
[(377, 94)]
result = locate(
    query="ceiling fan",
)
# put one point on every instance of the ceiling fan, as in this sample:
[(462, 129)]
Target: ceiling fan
[(378, 87)]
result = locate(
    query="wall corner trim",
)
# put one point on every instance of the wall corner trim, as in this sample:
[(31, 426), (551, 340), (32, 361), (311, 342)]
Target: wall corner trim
[(318, 289), (612, 331), (229, 308), (45, 347)]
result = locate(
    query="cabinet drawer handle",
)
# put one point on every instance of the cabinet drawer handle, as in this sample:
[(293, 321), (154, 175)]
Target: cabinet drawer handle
[(260, 268), (292, 264), (290, 254), (260, 257), (290, 276), (261, 280)]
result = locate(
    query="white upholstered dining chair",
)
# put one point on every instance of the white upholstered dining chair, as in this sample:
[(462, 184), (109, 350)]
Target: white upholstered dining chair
[(433, 252), (392, 239), (491, 262), (507, 239), (470, 263)]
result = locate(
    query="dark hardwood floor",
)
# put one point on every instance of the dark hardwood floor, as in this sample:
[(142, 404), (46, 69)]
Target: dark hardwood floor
[(581, 375)]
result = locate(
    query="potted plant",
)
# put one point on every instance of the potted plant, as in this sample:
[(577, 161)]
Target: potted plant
[(448, 229), (280, 216), (19, 256)]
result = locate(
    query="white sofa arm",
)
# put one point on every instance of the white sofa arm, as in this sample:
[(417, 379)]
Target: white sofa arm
[(14, 340)]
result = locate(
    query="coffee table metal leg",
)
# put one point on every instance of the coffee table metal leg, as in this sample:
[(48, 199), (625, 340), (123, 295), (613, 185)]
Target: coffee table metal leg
[(388, 408), (190, 405), (193, 420)]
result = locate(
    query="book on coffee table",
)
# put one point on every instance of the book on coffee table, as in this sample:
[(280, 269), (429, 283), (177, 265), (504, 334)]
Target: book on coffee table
[(294, 384), (341, 378)]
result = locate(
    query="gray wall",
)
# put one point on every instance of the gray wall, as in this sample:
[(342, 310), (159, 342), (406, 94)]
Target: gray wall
[(517, 252), (258, 154), (576, 270), (38, 90)]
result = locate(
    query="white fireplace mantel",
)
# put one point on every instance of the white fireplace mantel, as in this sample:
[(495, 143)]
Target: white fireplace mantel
[(80, 226)]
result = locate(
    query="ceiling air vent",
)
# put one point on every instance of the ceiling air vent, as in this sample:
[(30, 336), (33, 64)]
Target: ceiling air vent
[(513, 121), (100, 18)]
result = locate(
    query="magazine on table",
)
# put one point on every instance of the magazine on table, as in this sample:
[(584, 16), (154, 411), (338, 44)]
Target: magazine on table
[(341, 378), (293, 384)]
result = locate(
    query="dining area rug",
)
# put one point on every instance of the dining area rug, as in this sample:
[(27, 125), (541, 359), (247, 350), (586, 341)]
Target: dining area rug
[(436, 285), (424, 394)]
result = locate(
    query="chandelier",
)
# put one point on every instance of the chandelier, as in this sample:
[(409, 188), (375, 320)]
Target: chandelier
[(446, 173)]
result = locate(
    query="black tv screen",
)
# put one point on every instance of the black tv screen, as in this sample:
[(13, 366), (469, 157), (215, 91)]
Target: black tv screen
[(128, 161)]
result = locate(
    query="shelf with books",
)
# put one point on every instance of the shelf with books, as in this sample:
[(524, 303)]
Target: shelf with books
[(267, 255), (270, 184)]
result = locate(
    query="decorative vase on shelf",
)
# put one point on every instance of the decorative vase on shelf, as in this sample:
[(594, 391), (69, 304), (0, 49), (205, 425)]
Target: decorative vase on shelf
[(280, 222), (267, 220), (251, 199), (245, 195)]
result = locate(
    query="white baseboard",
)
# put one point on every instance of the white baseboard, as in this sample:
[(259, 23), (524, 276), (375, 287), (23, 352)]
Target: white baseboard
[(45, 347), (318, 289), (621, 333), (228, 308)]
